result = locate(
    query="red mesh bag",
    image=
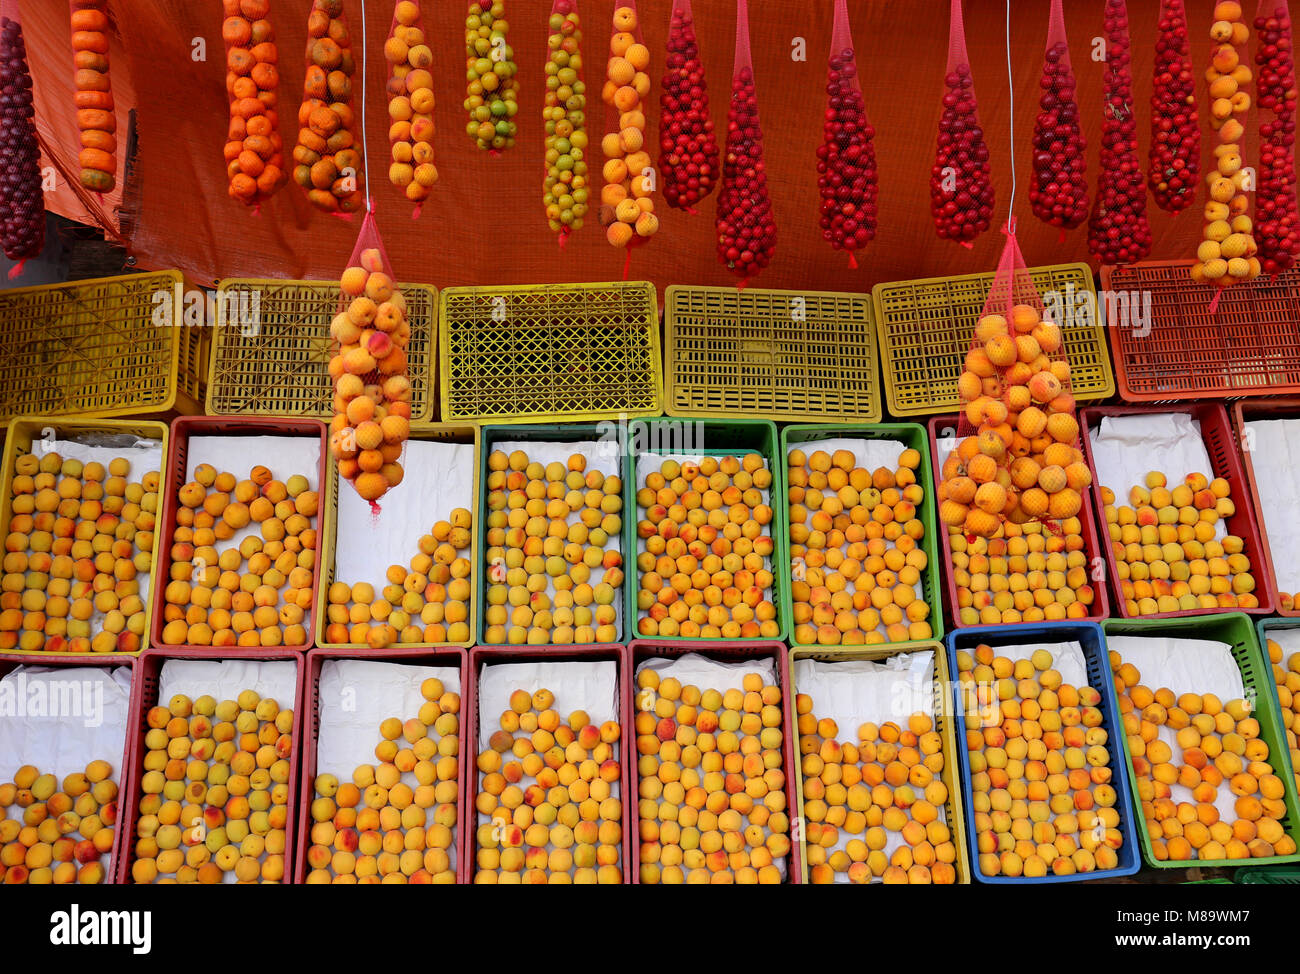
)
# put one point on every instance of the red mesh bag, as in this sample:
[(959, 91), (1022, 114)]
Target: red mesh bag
[(490, 101), (627, 199), (688, 146), (565, 186), (1019, 409), (846, 159), (1175, 155), (22, 201), (94, 95), (1278, 230), (1118, 232), (1059, 192), (328, 154), (372, 391), (961, 190), (254, 150), (746, 227), (410, 105)]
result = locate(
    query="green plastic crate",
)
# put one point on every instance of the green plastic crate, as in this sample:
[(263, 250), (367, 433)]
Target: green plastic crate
[(913, 436), (1237, 630), (1268, 877), (721, 437)]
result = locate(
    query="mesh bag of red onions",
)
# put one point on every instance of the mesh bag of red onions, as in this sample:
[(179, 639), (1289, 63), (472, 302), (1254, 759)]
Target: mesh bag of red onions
[(1118, 232), (746, 228), (1275, 197), (1058, 194), (961, 191), (846, 159), (1175, 152), (688, 145), (22, 203)]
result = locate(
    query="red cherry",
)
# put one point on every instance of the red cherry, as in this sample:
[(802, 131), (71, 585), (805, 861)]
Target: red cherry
[(22, 202)]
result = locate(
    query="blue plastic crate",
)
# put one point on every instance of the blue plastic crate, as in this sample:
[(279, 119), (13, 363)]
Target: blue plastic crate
[(1090, 637)]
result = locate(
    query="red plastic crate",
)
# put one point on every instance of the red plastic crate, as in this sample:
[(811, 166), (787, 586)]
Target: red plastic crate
[(1225, 462), (481, 656), (1088, 524), (1250, 344), (640, 650), (144, 694), (451, 656), (175, 476), (10, 662), (1243, 412)]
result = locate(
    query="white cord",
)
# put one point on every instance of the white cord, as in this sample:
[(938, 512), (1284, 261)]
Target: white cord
[(365, 151), (1011, 91)]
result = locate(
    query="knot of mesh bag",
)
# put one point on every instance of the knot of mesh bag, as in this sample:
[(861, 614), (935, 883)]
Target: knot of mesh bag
[(746, 227), (22, 202), (627, 199), (94, 95), (688, 145), (1058, 194), (1275, 198), (961, 190), (410, 105), (329, 166), (491, 97), (1175, 154), (1118, 232), (846, 159), (372, 390), (1018, 461), (564, 115), (254, 150)]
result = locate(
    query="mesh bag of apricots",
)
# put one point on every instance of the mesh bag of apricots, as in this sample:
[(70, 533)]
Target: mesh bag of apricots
[(372, 393), (1017, 468)]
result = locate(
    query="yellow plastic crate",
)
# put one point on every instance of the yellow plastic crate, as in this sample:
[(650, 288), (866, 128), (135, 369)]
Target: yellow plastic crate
[(946, 721), (788, 356), (442, 432), (26, 433), (925, 330), (279, 365), (549, 353), (114, 346)]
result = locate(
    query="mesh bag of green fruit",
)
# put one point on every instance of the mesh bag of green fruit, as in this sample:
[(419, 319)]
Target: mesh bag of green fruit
[(565, 189)]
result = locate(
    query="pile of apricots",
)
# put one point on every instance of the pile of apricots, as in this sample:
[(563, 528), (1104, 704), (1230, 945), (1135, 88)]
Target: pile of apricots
[(60, 833), (1286, 674)]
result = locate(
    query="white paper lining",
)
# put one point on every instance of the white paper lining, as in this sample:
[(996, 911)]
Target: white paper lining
[(1274, 446), (1185, 666), (356, 696)]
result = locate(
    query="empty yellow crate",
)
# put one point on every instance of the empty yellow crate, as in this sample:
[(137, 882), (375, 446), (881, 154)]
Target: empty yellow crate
[(114, 346), (278, 365), (925, 329), (788, 356), (549, 353)]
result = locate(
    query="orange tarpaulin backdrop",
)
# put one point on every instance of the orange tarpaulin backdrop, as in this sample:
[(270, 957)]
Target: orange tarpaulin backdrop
[(484, 223)]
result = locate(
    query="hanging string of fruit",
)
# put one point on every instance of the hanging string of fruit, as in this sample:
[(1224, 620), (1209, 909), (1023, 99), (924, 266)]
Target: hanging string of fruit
[(564, 114), (1059, 193), (410, 105), (1275, 198), (688, 146), (1227, 252), (627, 200), (254, 149), (961, 187), (94, 96), (329, 165), (22, 202), (1174, 163), (492, 95)]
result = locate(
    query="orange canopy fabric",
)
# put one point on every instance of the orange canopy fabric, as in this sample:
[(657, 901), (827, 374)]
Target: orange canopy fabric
[(484, 224)]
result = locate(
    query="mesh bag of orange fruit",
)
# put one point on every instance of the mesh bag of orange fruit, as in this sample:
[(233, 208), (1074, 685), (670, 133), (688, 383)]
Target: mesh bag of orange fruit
[(254, 150), (94, 95), (328, 157), (410, 105), (372, 392)]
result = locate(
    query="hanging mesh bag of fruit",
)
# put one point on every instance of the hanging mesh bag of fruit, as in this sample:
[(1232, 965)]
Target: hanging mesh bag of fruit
[(328, 156), (688, 145), (410, 105), (96, 118), (1118, 232), (1275, 197), (491, 98), (254, 150), (22, 201), (1019, 458), (745, 224), (1058, 194), (372, 389), (627, 209), (961, 189), (1174, 162), (846, 159), (565, 186)]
